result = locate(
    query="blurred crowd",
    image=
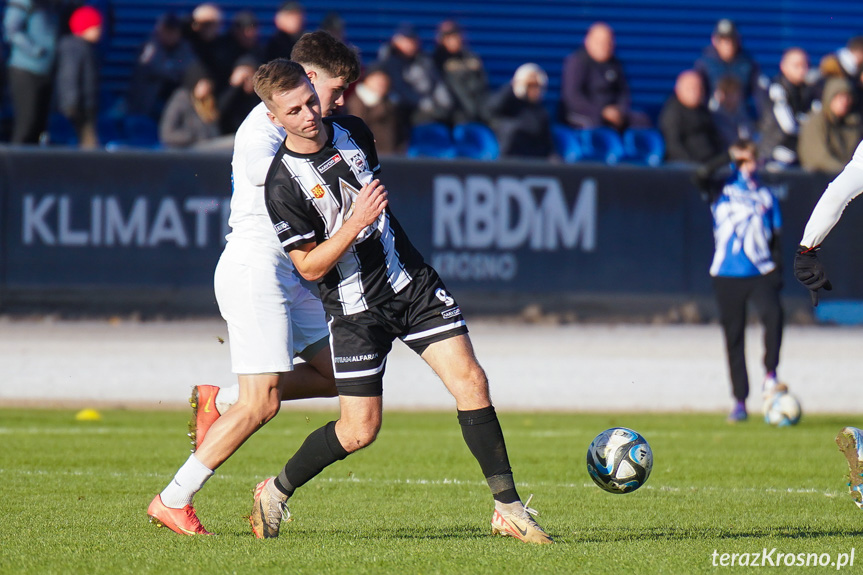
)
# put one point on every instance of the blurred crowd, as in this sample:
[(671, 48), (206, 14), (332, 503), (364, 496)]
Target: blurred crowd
[(192, 87)]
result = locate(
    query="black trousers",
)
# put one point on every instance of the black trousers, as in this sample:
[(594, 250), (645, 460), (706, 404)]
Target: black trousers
[(31, 101), (732, 295)]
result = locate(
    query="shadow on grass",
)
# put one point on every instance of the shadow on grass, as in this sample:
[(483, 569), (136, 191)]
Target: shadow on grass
[(696, 533)]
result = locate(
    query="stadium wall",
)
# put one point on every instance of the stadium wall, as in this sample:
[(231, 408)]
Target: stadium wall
[(97, 232)]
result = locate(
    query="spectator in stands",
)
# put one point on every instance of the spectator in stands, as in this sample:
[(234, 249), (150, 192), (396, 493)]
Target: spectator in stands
[(464, 74), (519, 117), (160, 68), (419, 93), (78, 74), (290, 21), (371, 102), (204, 33), (730, 117), (594, 90), (239, 98), (846, 62), (191, 116), (789, 103), (244, 40), (30, 27), (725, 56), (335, 25), (829, 137), (686, 123)]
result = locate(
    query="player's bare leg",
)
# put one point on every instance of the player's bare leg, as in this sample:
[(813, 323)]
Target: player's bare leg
[(455, 363), (259, 401), (311, 379)]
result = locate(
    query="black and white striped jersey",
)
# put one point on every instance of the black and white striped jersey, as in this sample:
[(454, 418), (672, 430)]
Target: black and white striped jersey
[(309, 196)]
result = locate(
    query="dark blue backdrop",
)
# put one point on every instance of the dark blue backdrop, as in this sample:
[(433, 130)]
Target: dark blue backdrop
[(144, 225)]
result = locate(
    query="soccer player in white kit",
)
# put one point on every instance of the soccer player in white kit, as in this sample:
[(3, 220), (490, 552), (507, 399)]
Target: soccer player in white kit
[(810, 272), (271, 316)]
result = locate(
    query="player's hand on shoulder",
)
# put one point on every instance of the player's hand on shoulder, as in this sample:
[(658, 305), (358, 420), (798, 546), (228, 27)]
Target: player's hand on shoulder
[(370, 203), (809, 271)]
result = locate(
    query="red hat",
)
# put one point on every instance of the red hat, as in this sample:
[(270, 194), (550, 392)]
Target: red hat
[(83, 19)]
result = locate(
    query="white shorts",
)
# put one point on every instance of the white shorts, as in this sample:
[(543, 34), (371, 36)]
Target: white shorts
[(271, 316)]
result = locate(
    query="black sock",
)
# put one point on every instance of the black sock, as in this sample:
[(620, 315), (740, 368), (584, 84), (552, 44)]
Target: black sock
[(320, 449), (484, 437)]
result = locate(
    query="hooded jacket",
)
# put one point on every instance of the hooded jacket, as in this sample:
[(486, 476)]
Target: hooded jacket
[(827, 142)]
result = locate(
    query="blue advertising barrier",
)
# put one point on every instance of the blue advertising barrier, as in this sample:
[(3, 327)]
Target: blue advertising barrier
[(145, 229)]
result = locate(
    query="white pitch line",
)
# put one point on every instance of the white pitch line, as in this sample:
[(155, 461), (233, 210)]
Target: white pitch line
[(473, 483)]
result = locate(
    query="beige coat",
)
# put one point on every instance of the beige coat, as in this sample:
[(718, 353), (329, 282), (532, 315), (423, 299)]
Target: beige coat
[(826, 142)]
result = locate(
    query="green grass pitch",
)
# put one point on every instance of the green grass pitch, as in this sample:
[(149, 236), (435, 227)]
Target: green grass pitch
[(74, 498)]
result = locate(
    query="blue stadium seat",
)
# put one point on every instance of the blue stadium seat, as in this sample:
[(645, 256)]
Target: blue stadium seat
[(475, 141), (141, 130), (601, 145), (431, 140), (136, 131), (108, 128), (643, 146), (567, 143), (61, 132)]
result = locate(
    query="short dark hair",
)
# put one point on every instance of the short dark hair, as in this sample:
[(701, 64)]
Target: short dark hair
[(323, 51), (855, 44), (277, 77)]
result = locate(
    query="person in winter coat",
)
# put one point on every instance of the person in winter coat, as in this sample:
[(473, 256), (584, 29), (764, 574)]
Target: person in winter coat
[(30, 27), (191, 116), (78, 74), (789, 103), (687, 126), (828, 139)]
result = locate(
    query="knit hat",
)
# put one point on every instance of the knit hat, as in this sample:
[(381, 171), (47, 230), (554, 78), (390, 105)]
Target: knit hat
[(83, 19)]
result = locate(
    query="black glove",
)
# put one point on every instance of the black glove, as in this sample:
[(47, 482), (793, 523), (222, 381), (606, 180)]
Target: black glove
[(809, 271)]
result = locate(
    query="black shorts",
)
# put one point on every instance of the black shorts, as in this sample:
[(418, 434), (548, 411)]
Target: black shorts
[(420, 315)]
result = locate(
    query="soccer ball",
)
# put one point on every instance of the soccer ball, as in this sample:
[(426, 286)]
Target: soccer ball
[(782, 409), (619, 460)]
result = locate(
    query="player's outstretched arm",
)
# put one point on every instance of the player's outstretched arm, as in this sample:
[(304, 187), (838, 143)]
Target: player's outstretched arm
[(808, 269), (314, 260)]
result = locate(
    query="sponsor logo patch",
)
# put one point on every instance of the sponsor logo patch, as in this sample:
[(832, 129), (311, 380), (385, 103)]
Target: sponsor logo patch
[(355, 358), (318, 191), (281, 226), (451, 313), (329, 163)]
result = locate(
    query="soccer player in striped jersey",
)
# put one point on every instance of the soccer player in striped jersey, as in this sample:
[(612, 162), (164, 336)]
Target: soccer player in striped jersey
[(810, 272), (332, 218), (271, 317)]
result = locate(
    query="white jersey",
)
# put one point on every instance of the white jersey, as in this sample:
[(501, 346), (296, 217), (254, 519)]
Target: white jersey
[(252, 240), (838, 194)]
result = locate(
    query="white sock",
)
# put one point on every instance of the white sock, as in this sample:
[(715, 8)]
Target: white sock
[(227, 397), (190, 478)]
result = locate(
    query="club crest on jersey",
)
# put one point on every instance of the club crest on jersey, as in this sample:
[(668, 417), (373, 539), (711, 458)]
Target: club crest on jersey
[(318, 191), (358, 162), (329, 163)]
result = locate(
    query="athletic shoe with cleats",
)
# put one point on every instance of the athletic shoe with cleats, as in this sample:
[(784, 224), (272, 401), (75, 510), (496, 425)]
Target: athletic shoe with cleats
[(268, 512), (516, 520), (182, 521), (737, 414), (850, 442), (204, 413)]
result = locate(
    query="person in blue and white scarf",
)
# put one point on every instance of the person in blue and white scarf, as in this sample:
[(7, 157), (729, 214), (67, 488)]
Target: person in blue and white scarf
[(746, 265)]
